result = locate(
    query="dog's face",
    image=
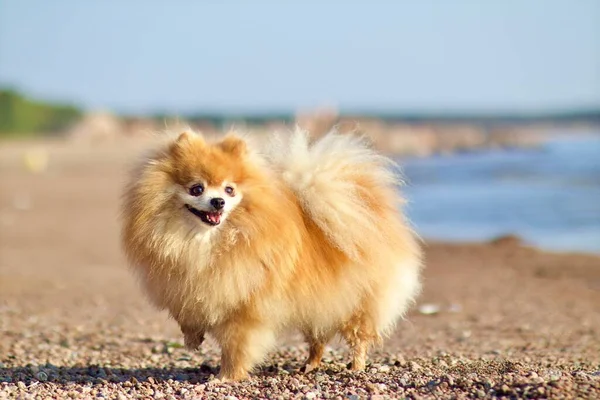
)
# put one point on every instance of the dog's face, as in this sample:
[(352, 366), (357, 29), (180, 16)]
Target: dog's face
[(208, 178), (211, 204)]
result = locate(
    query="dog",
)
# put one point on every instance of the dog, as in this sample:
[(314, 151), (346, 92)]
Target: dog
[(243, 242)]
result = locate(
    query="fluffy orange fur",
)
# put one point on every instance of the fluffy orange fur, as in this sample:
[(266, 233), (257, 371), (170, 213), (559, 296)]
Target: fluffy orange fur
[(314, 240)]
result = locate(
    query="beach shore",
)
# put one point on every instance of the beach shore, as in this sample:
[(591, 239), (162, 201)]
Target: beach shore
[(496, 319)]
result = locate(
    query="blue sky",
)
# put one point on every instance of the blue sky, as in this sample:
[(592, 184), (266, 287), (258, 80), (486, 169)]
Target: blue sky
[(421, 55)]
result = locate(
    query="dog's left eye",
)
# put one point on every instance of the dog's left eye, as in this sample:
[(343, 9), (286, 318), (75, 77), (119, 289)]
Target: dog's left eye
[(230, 191)]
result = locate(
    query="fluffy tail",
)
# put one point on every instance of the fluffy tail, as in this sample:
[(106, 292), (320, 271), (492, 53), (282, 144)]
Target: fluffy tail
[(342, 184)]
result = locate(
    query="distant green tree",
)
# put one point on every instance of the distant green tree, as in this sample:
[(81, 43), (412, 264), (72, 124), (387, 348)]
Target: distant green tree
[(20, 115)]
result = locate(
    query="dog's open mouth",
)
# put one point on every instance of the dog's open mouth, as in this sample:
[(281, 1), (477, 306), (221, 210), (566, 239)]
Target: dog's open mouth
[(212, 218)]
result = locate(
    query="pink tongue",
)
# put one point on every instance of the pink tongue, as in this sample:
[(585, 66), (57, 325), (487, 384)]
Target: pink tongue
[(214, 217)]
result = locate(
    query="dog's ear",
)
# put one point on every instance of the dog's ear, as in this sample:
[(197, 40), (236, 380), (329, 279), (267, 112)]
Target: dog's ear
[(185, 140), (234, 145), (184, 136), (189, 137)]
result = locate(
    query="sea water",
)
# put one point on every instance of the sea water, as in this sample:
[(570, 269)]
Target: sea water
[(549, 196)]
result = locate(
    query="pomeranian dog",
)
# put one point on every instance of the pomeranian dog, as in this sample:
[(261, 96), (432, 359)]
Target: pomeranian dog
[(242, 244)]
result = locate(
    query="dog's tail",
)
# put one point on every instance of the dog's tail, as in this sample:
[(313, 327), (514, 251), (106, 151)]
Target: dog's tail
[(343, 185)]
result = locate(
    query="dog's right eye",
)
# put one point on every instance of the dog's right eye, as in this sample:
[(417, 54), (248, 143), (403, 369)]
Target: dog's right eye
[(196, 190)]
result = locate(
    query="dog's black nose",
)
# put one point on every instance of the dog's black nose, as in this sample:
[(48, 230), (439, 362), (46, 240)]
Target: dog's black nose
[(217, 203)]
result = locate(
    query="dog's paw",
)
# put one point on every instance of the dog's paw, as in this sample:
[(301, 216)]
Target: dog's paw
[(228, 379), (306, 368), (193, 341)]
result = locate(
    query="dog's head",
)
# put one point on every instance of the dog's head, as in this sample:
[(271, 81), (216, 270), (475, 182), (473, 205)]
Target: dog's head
[(208, 179)]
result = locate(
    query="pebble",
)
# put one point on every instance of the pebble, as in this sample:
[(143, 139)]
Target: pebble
[(541, 390), (42, 376), (384, 368), (429, 309), (414, 366)]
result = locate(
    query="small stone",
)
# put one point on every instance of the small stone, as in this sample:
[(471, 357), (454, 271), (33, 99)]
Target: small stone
[(42, 376), (310, 395), (400, 361), (432, 384), (157, 349), (449, 379), (384, 368), (429, 309), (541, 390), (21, 385), (414, 366), (555, 376), (231, 398)]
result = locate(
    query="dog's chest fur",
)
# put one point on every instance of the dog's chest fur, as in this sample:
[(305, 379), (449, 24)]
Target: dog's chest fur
[(205, 282)]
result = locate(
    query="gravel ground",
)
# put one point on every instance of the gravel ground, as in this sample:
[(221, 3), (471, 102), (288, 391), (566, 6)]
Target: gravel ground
[(495, 320)]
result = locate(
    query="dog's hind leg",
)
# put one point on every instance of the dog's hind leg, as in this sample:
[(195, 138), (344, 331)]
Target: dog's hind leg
[(316, 343), (360, 333)]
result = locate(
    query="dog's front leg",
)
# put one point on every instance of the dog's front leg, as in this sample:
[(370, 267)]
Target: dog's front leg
[(244, 343), (192, 336)]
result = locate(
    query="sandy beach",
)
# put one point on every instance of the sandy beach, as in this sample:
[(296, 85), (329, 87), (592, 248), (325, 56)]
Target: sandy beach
[(496, 319)]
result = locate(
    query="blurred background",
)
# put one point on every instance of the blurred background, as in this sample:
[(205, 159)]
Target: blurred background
[(492, 109)]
